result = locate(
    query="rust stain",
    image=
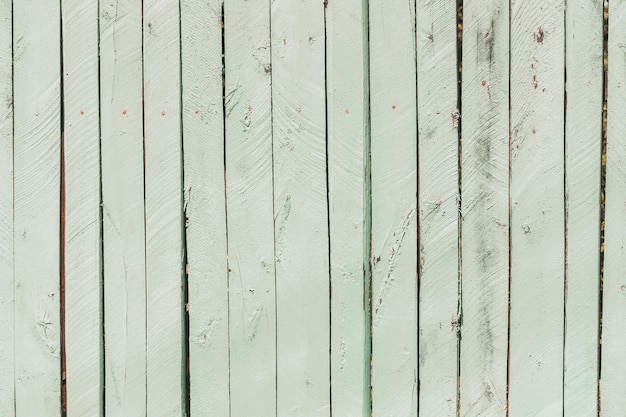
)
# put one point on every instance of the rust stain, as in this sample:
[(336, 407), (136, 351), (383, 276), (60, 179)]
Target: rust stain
[(197, 112), (250, 109), (124, 112), (539, 35), (484, 83), (347, 111), (163, 113), (393, 107), (535, 83), (82, 112)]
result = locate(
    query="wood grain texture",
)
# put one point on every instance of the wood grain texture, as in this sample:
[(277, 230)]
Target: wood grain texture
[(203, 143), (583, 147), (349, 202), (300, 208), (7, 348), (250, 208), (37, 207), (394, 217), (485, 208), (438, 119), (83, 278), (537, 208), (123, 208), (165, 348), (613, 389)]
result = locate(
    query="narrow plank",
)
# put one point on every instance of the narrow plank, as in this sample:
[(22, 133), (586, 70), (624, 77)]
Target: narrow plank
[(83, 280), (250, 208), (613, 389), (349, 199), (203, 143), (537, 208), (438, 119), (300, 208), (583, 156), (37, 207), (123, 208), (165, 350), (7, 353), (485, 208), (393, 109)]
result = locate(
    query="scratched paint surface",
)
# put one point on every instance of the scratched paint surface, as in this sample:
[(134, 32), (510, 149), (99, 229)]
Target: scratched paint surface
[(218, 208)]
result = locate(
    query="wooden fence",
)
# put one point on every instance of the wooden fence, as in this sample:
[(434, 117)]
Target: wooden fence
[(309, 208)]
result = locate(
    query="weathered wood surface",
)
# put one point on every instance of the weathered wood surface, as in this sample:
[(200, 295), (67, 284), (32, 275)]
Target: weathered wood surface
[(537, 208), (485, 208), (165, 339), (613, 389), (583, 156), (349, 205), (83, 268), (204, 206), (394, 208), (37, 207), (248, 118), (121, 107), (7, 348), (438, 205), (300, 208)]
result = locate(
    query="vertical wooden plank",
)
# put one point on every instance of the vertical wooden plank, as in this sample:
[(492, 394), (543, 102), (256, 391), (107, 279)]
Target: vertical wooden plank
[(300, 208), (438, 118), (7, 353), (83, 319), (485, 208), (537, 208), (37, 62), (613, 389), (165, 349), (123, 207), (349, 200), (250, 208), (583, 156), (394, 218), (203, 129)]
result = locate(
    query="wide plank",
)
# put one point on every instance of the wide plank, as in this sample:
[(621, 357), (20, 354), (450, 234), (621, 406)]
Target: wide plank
[(537, 208), (205, 216), (83, 263), (37, 207)]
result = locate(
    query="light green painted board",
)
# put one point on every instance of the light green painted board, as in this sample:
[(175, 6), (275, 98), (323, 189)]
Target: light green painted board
[(613, 389), (438, 119), (300, 209), (7, 349), (203, 143), (83, 279), (537, 208), (394, 217), (485, 208), (123, 208), (583, 141), (37, 204), (250, 208), (165, 342), (349, 201)]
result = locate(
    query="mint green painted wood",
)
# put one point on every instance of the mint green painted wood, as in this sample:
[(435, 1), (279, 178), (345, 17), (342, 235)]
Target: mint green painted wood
[(165, 356), (349, 202), (613, 389), (537, 208), (583, 141), (394, 217), (204, 205), (485, 208), (252, 305), (123, 208), (37, 190), (7, 349), (300, 209), (438, 119), (83, 279)]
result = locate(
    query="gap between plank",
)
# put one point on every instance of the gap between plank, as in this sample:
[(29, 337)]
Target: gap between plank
[(508, 335), (565, 211), (605, 92), (62, 216), (459, 319)]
